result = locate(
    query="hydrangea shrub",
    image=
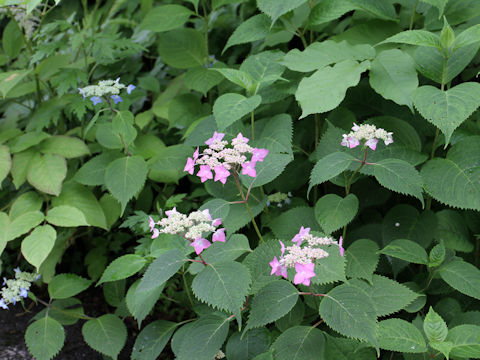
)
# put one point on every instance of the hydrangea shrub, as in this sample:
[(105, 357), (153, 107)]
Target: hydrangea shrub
[(280, 179)]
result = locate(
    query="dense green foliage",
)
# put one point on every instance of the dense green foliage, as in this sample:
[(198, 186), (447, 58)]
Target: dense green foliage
[(81, 175)]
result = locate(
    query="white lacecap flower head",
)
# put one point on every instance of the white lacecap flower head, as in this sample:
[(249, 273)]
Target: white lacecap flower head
[(14, 290), (368, 134), (106, 89)]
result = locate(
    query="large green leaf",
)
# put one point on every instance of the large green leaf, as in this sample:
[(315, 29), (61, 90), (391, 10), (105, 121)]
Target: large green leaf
[(44, 338), (452, 231), (333, 212), (93, 171), (238, 77), (406, 250), (140, 304), (277, 134), (66, 146), (399, 176), (64, 286), (325, 89), (231, 107), (107, 334), (267, 170), (393, 76), (66, 215), (447, 109), (46, 173), (272, 302), (252, 29), (223, 285), (287, 224), (362, 259), (435, 327), (255, 262), (29, 201), (23, 224), (330, 268), (350, 311), (122, 268), (12, 39), (167, 166), (415, 37), (462, 276), (152, 339), (254, 342), (125, 177), (455, 180), (400, 335), (330, 166), (328, 52), (8, 80), (182, 48), (37, 245), (5, 162), (300, 342), (202, 79), (276, 8), (263, 68), (467, 37), (165, 17), (235, 246), (466, 341)]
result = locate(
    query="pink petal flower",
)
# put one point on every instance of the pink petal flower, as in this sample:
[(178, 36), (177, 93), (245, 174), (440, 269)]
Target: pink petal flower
[(344, 140), (221, 174), (219, 235), (195, 154), (217, 222), (190, 166), (340, 246), (204, 173), (216, 136), (282, 247), (304, 273), (151, 223), (259, 154), (372, 143), (298, 237), (388, 141), (352, 142), (277, 268), (200, 244), (206, 212), (241, 139), (170, 212), (248, 168), (355, 127), (156, 232)]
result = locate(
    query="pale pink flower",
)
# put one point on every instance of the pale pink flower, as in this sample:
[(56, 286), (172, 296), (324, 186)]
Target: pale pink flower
[(206, 212), (388, 140), (216, 137), (171, 212), (200, 244), (204, 173), (151, 223), (372, 143), (277, 268), (221, 174), (340, 246), (195, 154), (298, 237), (241, 139), (282, 247), (355, 127), (259, 154), (219, 235), (190, 166), (248, 168), (304, 273), (155, 234), (217, 222)]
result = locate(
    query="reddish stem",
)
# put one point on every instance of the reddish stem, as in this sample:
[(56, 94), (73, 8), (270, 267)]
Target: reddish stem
[(310, 293)]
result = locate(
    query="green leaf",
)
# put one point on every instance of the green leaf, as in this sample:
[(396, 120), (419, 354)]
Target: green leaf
[(462, 276), (20, 164), (330, 268), (435, 327), (447, 109), (37, 245), (325, 89), (264, 68), (202, 79), (122, 268), (29, 201), (141, 304), (231, 107), (12, 39), (167, 166), (114, 292), (237, 77), (204, 338), (8, 80), (165, 17), (333, 212), (23, 224), (467, 37), (272, 302), (66, 146), (415, 37), (152, 340), (125, 177), (251, 344), (393, 76), (267, 170), (67, 216), (406, 250), (340, 348), (452, 231), (235, 246), (399, 176), (330, 166), (276, 8), (223, 285), (277, 134), (26, 141), (287, 224), (107, 334), (293, 318), (362, 259), (66, 285), (45, 338), (439, 4), (46, 173), (5, 162), (387, 295), (182, 48), (252, 29), (328, 52), (351, 312), (162, 269), (400, 335), (255, 262), (466, 341), (455, 180), (300, 342)]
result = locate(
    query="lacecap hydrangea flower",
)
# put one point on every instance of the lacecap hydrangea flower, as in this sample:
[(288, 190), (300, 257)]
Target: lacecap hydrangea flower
[(222, 158), (105, 88), (302, 256), (194, 227), (368, 133), (14, 290)]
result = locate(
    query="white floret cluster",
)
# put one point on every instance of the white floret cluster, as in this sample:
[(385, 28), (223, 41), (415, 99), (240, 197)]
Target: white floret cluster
[(104, 88), (368, 133), (14, 290)]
